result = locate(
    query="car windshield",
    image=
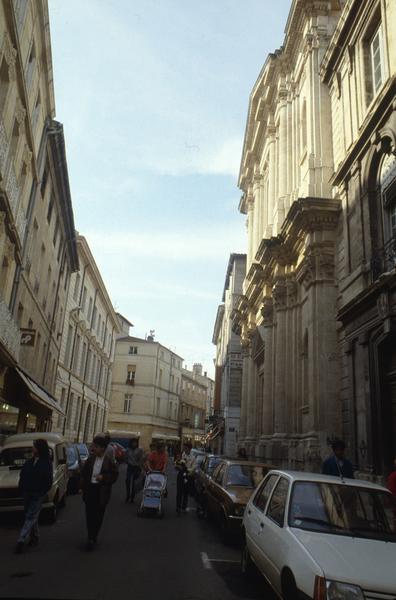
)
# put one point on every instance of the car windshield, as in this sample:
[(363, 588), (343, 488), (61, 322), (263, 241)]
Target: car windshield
[(16, 457), (72, 455), (212, 464), (345, 509), (244, 475)]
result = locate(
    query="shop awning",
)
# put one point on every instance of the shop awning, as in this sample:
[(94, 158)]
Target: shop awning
[(37, 392), (164, 436)]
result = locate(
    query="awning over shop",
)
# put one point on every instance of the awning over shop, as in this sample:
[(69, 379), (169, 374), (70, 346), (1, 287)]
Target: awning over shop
[(37, 392), (164, 436)]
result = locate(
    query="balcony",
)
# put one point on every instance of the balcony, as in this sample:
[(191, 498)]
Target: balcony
[(9, 332), (384, 259)]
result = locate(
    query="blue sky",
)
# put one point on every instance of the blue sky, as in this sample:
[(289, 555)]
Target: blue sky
[(153, 95)]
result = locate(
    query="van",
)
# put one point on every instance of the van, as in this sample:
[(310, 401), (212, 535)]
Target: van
[(14, 453)]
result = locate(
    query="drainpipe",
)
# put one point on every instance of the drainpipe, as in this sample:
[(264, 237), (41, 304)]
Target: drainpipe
[(73, 349), (54, 311)]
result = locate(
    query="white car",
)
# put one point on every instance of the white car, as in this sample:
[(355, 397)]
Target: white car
[(15, 451), (320, 537)]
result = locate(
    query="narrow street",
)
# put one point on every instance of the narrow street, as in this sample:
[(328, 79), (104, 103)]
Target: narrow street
[(176, 558)]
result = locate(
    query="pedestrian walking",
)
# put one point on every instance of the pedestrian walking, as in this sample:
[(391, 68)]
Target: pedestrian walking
[(185, 466), (35, 481), (336, 464), (157, 460), (97, 477), (135, 461), (391, 481)]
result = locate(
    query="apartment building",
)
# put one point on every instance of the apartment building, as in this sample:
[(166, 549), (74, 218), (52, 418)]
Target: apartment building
[(37, 242), (224, 432), (145, 392), (87, 352), (192, 412)]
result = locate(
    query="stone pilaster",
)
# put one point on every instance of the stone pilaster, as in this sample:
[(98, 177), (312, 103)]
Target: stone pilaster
[(279, 298)]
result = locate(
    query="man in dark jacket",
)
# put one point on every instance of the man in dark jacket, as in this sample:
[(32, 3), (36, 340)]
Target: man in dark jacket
[(98, 475), (337, 464), (35, 481)]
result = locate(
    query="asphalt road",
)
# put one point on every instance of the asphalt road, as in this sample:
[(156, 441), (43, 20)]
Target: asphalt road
[(176, 558)]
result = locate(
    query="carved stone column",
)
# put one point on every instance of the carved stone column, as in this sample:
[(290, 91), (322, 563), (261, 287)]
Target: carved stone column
[(267, 426), (283, 159), (271, 132), (244, 393), (256, 212), (250, 221), (279, 298)]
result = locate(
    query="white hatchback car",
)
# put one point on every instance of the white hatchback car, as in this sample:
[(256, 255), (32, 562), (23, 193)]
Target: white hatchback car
[(320, 537), (15, 451)]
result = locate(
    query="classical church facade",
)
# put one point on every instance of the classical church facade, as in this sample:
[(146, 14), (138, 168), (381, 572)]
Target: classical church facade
[(315, 237)]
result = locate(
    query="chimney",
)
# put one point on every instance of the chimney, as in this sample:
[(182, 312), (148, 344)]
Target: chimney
[(197, 369)]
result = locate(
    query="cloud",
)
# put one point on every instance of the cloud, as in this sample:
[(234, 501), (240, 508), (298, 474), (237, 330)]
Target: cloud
[(209, 244)]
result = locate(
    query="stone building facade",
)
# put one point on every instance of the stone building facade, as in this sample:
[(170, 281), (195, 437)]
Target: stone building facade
[(318, 181), (359, 68), (86, 358), (286, 315), (224, 433), (192, 411), (145, 392), (37, 241)]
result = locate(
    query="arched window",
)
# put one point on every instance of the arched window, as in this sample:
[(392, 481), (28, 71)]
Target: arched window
[(383, 214), (388, 196)]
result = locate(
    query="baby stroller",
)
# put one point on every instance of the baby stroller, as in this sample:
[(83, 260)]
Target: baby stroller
[(153, 494)]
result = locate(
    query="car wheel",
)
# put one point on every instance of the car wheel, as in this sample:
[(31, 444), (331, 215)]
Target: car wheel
[(247, 565), (289, 588)]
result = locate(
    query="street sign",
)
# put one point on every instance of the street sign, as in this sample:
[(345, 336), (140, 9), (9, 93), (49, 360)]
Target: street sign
[(28, 337)]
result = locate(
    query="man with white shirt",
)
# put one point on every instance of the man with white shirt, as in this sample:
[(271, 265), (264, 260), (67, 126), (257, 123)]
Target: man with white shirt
[(98, 475)]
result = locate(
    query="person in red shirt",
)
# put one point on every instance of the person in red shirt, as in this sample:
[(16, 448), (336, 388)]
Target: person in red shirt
[(157, 460), (392, 479)]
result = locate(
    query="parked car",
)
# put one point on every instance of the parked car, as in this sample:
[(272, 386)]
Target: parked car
[(229, 490), (202, 477), (73, 469), (320, 537), (200, 456), (119, 452), (83, 451), (16, 450)]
